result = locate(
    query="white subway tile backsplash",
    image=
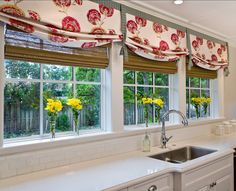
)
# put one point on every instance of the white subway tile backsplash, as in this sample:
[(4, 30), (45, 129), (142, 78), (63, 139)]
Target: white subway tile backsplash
[(23, 163)]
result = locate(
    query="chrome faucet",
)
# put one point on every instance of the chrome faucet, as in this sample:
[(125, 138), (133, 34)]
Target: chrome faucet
[(164, 139)]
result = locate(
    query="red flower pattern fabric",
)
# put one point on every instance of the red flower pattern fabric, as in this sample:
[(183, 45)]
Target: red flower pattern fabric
[(88, 45), (175, 38), (141, 21), (34, 15), (180, 33), (58, 38), (210, 55), (22, 26), (71, 22), (93, 16), (164, 45), (12, 10), (158, 28), (79, 2), (132, 26), (209, 44), (98, 30), (214, 57), (62, 3), (153, 40), (108, 12)]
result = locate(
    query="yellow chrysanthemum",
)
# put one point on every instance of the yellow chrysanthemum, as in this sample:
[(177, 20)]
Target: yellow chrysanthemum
[(159, 102), (75, 103), (146, 100), (197, 100), (53, 106)]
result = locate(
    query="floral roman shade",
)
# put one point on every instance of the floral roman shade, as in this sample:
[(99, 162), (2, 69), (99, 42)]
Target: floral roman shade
[(208, 53), (73, 23), (151, 39)]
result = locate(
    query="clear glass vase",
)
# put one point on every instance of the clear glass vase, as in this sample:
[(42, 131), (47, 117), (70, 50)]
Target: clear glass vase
[(53, 128), (76, 121), (146, 143)]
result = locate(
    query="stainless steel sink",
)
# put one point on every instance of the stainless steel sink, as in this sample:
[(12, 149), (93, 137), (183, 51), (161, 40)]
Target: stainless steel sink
[(183, 154)]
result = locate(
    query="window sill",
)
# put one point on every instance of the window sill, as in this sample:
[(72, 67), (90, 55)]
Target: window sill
[(11, 147)]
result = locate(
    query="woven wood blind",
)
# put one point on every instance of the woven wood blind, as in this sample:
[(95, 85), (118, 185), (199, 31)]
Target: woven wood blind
[(139, 63), (198, 72), (23, 46)]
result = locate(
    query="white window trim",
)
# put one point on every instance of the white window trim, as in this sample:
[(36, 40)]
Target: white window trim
[(153, 86), (210, 89), (113, 108), (73, 82), (2, 82)]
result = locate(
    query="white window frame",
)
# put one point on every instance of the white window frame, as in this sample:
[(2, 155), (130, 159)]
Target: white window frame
[(153, 86), (73, 82), (189, 88)]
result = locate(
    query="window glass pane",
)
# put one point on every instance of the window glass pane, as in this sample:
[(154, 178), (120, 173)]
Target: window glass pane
[(90, 117), (62, 92), (187, 81), (163, 93), (55, 72), (195, 82), (129, 105), (205, 83), (21, 109), (144, 78), (88, 74), (144, 91), (188, 101), (161, 79), (193, 93), (129, 77), (22, 69)]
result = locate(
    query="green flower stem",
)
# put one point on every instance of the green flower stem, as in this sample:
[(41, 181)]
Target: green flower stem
[(76, 120), (146, 114)]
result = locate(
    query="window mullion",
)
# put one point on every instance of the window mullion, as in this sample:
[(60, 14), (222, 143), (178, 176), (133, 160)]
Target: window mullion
[(153, 91), (136, 98), (74, 90), (41, 101)]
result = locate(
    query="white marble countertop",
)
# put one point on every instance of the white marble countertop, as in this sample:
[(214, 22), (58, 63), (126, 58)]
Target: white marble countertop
[(117, 172)]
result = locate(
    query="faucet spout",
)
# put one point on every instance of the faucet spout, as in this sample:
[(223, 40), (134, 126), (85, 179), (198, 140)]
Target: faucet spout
[(165, 139)]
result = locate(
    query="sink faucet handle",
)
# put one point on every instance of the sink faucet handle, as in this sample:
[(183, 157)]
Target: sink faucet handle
[(185, 123), (167, 139)]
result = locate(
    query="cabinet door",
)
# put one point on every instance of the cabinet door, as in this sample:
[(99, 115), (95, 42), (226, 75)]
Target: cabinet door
[(163, 183), (223, 184)]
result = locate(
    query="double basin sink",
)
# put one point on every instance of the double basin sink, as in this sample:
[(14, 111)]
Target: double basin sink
[(184, 154)]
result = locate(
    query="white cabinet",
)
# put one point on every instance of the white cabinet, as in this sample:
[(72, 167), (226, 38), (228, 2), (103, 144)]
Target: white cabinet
[(214, 176), (223, 184), (161, 183)]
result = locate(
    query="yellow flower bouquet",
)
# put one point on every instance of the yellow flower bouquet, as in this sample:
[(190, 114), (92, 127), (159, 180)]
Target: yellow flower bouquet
[(205, 103), (197, 102), (54, 106), (146, 101), (159, 105), (75, 105)]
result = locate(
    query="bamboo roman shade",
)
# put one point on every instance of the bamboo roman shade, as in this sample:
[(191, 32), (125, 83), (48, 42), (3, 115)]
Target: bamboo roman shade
[(139, 63), (198, 72), (27, 47), (153, 44)]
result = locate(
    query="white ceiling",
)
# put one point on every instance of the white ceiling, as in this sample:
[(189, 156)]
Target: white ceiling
[(216, 17)]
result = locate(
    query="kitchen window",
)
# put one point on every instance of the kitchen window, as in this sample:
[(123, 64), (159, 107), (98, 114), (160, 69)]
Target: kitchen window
[(29, 84), (197, 87), (137, 84)]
